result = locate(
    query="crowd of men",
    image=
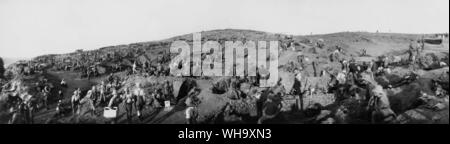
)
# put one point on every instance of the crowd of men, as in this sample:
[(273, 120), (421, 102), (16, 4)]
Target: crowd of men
[(22, 106), (112, 93)]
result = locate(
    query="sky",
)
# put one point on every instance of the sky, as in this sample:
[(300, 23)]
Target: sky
[(29, 28)]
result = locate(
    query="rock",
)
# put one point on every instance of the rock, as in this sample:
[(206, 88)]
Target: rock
[(328, 121), (323, 114), (211, 107), (414, 116)]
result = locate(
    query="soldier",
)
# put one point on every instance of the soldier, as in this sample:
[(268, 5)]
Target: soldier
[(75, 101), (411, 52), (88, 99), (419, 47), (298, 89), (345, 65), (102, 96), (335, 55), (95, 94), (129, 103), (140, 100), (315, 66), (45, 96)]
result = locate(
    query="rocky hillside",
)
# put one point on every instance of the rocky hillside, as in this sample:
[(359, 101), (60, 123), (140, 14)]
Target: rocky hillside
[(118, 60)]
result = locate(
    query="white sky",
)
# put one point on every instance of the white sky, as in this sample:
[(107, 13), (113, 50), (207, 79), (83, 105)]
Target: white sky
[(30, 28)]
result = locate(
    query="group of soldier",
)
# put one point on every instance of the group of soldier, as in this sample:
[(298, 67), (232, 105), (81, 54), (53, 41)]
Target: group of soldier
[(352, 78), (24, 105), (113, 93)]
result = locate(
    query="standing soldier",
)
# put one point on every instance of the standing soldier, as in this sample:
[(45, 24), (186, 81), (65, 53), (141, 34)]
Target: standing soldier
[(412, 55), (418, 48), (45, 94), (298, 89), (75, 101), (102, 97), (88, 100), (315, 66), (140, 100), (95, 94), (129, 102)]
